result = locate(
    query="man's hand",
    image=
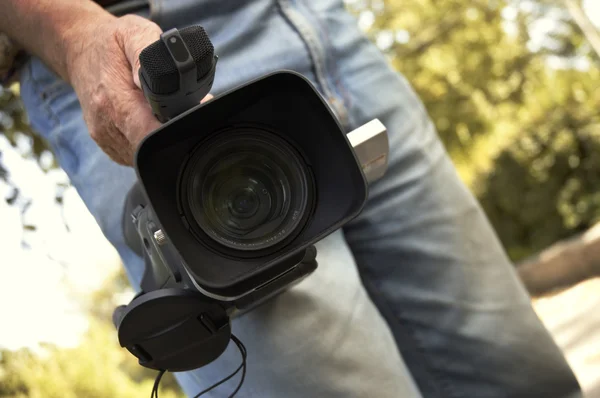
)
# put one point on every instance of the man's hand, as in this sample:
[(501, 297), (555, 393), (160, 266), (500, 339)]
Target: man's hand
[(102, 66), (97, 53)]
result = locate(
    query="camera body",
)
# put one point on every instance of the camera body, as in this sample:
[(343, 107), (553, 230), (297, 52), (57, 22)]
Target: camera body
[(286, 106), (231, 197)]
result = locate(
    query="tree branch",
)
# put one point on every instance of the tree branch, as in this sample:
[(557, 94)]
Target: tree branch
[(584, 23)]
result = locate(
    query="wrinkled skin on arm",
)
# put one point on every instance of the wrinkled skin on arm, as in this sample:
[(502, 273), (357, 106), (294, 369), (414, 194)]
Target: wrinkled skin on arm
[(98, 54)]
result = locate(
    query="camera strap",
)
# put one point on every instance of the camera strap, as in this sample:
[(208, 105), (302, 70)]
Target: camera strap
[(242, 367)]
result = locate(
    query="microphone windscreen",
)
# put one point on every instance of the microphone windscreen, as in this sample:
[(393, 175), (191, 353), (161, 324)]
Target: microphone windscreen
[(158, 68)]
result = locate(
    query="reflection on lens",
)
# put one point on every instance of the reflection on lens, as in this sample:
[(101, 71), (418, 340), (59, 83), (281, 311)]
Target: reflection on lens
[(248, 190), (244, 204), (242, 192)]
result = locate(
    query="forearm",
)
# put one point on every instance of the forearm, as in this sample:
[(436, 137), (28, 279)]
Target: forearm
[(97, 54), (49, 28)]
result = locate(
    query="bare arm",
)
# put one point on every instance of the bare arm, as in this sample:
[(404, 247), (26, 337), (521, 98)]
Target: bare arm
[(97, 53), (49, 28)]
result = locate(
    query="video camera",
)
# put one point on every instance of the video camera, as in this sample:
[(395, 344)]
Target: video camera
[(231, 197)]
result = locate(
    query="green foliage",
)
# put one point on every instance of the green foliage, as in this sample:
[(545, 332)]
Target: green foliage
[(97, 368), (459, 59), (14, 124), (91, 370), (523, 135), (544, 186)]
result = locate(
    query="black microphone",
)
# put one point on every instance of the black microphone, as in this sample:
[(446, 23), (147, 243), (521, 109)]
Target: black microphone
[(177, 71)]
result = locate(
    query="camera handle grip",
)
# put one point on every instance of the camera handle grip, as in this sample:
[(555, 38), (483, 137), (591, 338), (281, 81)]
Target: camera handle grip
[(177, 71)]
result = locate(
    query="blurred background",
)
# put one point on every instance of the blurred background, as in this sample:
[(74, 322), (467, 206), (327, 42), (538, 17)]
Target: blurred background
[(514, 90)]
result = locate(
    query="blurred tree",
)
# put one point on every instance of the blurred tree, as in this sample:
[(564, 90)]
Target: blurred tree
[(575, 23), (512, 87), (466, 68), (91, 370), (15, 128), (97, 368), (569, 32), (14, 125), (545, 185)]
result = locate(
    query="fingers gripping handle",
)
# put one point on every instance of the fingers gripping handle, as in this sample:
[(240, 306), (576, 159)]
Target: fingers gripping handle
[(177, 71)]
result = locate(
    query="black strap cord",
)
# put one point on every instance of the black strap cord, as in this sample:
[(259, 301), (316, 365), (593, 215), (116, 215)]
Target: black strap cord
[(154, 393), (242, 367)]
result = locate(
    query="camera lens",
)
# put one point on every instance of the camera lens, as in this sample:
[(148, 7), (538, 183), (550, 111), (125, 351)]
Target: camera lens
[(244, 203), (240, 193), (247, 189)]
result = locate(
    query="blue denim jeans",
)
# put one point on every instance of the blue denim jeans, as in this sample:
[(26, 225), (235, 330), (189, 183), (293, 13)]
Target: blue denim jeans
[(415, 297)]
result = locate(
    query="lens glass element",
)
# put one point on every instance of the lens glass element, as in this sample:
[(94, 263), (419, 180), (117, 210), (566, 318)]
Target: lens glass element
[(247, 190)]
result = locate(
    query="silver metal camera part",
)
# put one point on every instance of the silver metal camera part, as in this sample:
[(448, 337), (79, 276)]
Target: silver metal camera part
[(371, 146)]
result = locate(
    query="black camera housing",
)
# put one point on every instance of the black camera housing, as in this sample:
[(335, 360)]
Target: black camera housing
[(286, 104), (231, 197)]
